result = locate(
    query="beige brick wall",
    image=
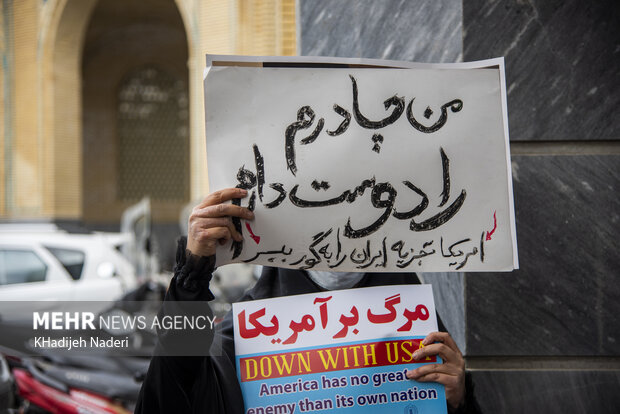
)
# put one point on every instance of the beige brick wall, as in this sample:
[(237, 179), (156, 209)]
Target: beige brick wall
[(26, 163), (3, 91), (251, 27), (265, 27), (46, 105)]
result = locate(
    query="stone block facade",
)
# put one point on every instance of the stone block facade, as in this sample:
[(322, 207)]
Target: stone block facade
[(544, 338)]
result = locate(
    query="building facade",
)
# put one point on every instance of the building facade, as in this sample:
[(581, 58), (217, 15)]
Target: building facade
[(102, 100)]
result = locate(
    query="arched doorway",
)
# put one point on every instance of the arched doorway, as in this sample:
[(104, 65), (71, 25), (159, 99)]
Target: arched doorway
[(135, 114)]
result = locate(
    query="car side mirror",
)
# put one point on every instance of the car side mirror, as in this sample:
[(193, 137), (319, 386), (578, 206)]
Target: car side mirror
[(106, 270)]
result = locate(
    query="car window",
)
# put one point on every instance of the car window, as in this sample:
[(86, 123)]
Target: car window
[(21, 266), (72, 260)]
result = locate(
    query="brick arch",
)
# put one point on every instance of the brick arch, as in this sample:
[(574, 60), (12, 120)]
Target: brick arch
[(121, 38), (60, 46), (63, 36)]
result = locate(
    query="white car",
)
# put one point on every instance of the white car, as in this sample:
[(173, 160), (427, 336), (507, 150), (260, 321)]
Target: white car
[(42, 262)]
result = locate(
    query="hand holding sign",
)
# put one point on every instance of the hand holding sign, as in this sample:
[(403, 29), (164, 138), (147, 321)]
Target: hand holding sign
[(451, 373), (210, 222)]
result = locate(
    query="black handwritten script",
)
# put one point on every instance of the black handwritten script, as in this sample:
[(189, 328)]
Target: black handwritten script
[(355, 227)]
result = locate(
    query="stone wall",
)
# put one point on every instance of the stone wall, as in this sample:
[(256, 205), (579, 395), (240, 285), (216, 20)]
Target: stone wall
[(544, 338)]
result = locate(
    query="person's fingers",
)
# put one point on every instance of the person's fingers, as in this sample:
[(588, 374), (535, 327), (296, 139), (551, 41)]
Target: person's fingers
[(434, 377), (222, 196), (449, 369), (213, 235), (450, 381), (451, 373), (203, 223), (444, 351), (233, 231), (210, 222), (223, 210), (198, 225), (443, 337)]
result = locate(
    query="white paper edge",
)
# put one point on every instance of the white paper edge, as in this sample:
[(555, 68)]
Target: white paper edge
[(499, 61), (353, 61), (511, 204)]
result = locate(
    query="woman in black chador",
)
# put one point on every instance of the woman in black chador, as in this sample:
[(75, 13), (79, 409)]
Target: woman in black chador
[(208, 384)]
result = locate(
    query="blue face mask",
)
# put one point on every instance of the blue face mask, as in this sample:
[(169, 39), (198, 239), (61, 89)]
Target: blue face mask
[(335, 280)]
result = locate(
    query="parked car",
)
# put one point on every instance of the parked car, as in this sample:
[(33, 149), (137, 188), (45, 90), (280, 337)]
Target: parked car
[(46, 263)]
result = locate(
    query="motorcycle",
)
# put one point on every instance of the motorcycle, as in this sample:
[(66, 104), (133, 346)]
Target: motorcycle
[(63, 383)]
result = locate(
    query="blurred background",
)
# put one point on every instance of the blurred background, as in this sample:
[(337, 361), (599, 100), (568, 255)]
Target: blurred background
[(102, 155), (103, 104)]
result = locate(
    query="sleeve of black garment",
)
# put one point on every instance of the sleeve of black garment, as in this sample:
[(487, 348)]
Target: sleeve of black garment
[(168, 384), (470, 406)]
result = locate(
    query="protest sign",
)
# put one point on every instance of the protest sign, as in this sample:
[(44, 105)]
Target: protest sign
[(343, 350), (353, 166)]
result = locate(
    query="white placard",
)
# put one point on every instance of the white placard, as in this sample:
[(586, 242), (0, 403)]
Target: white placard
[(357, 168)]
